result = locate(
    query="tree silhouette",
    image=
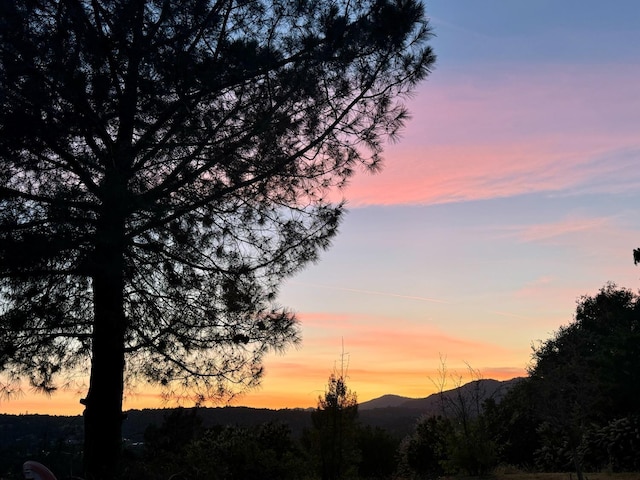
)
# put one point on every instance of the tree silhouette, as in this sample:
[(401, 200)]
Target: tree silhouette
[(334, 435), (587, 374), (164, 166)]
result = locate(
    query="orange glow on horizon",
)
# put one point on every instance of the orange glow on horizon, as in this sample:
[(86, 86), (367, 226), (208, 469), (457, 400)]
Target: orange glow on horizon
[(382, 355), (281, 390)]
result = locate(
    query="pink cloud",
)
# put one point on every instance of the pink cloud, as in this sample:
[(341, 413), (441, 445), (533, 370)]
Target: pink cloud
[(603, 242), (390, 338), (524, 132), (566, 227), (301, 386)]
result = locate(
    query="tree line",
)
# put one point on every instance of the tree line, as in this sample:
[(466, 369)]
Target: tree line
[(576, 411)]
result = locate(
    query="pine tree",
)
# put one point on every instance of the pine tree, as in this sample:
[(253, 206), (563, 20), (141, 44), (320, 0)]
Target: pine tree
[(165, 165)]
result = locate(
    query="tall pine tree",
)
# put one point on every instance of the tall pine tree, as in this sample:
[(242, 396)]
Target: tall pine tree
[(165, 165)]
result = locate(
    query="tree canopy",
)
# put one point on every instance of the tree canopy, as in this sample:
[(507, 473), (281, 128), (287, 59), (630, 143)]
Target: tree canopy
[(586, 378), (165, 165), (334, 436), (596, 358)]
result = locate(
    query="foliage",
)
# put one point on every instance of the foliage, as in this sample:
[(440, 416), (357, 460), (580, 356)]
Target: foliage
[(461, 439), (181, 449), (264, 452), (61, 455), (471, 449), (619, 443), (470, 445), (588, 374), (423, 454), (377, 450), (332, 441), (164, 166), (577, 409), (179, 427), (597, 356), (441, 445), (514, 425), (163, 452), (612, 447)]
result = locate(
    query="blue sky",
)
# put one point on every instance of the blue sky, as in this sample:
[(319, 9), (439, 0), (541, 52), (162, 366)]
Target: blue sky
[(513, 192)]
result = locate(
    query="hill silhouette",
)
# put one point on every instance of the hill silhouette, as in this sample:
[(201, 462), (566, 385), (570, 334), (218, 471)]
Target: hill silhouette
[(485, 388), (394, 413)]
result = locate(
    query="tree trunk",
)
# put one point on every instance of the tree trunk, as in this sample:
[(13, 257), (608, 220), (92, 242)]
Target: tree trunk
[(103, 413), (577, 463)]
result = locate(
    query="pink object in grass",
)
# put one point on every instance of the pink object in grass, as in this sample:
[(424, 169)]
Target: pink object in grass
[(36, 471)]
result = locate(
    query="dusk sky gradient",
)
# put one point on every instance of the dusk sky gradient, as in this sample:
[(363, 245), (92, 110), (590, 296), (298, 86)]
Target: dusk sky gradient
[(513, 191)]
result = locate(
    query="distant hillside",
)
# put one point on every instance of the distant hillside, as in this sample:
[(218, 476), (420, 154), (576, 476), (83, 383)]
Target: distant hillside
[(297, 419), (384, 401), (394, 413), (484, 389), (398, 414)]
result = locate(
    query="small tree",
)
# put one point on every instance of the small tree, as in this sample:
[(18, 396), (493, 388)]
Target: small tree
[(470, 443), (165, 164), (333, 440)]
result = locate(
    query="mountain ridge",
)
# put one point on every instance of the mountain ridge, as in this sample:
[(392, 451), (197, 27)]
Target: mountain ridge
[(394, 413), (484, 388)]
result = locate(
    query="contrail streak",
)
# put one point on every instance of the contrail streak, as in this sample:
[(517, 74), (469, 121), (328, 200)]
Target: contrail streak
[(371, 292)]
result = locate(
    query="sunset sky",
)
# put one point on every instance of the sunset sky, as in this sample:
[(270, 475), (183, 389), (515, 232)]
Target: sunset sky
[(514, 190)]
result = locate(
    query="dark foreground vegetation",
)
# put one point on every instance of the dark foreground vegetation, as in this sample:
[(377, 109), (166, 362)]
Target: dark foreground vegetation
[(576, 412)]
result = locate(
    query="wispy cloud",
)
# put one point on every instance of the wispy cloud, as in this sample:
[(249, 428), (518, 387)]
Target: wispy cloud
[(371, 292), (559, 130), (510, 315), (382, 343), (543, 232)]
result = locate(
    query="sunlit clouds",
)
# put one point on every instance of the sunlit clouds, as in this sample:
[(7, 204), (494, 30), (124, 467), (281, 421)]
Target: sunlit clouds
[(379, 355), (479, 135), (382, 353), (512, 192)]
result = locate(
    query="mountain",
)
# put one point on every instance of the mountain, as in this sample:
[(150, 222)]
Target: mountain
[(394, 413), (383, 402), (398, 415), (481, 389)]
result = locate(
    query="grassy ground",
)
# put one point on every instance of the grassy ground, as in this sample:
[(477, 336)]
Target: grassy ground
[(554, 476)]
